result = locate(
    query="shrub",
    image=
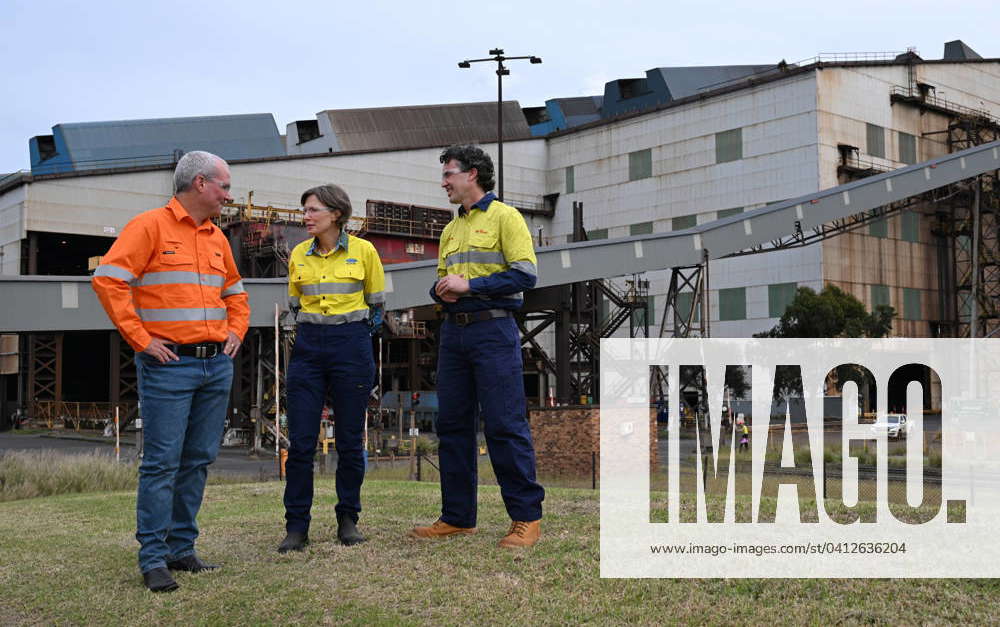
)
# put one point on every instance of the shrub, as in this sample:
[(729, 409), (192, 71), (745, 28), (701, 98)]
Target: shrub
[(30, 474)]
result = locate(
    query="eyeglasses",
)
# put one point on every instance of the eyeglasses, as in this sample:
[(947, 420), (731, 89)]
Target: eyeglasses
[(224, 188), (314, 210), (449, 173)]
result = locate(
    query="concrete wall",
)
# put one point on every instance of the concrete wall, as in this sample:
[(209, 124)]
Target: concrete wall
[(12, 229), (847, 100), (89, 205), (779, 161)]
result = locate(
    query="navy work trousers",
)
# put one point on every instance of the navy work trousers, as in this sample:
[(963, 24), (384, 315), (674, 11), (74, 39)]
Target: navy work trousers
[(479, 366), (335, 359)]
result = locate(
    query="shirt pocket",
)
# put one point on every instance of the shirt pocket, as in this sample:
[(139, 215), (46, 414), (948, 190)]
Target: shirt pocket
[(176, 260), (483, 241), (351, 271), (217, 262), (302, 276)]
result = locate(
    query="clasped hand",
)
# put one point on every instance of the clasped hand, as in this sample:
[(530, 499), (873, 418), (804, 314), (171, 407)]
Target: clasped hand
[(451, 287)]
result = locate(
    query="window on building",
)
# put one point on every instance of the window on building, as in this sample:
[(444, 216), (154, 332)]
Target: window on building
[(880, 296), (640, 164), (910, 223), (879, 228), (549, 202), (876, 140), (570, 180), (779, 297), (643, 228), (907, 148), (729, 145), (46, 147), (683, 222), (307, 130), (683, 305), (603, 309), (725, 213), (593, 234), (911, 303), (733, 303)]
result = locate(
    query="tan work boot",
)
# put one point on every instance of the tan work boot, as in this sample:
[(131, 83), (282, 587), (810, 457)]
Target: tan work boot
[(522, 534), (440, 529)]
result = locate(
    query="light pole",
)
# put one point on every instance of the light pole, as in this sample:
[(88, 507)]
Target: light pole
[(498, 56)]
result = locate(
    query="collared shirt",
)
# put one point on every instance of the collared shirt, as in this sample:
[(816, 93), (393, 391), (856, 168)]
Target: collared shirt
[(491, 246), (338, 286), (168, 277), (342, 242)]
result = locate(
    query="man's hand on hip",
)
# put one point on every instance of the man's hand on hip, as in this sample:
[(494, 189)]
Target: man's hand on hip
[(157, 348), (232, 345)]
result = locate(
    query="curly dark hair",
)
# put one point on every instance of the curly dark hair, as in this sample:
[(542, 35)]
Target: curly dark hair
[(471, 156)]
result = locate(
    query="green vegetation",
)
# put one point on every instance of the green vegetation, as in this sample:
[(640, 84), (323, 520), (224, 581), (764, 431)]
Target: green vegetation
[(30, 474), (25, 475), (71, 559)]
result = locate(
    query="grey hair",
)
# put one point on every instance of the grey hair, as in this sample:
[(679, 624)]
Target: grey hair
[(192, 164)]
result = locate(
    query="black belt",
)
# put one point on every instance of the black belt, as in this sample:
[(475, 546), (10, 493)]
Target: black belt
[(205, 350), (462, 319)]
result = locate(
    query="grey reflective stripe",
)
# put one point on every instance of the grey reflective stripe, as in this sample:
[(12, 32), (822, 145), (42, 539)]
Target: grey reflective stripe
[(181, 314), (525, 266), (474, 256), (234, 289), (180, 276), (315, 289), (375, 298), (114, 272), (315, 318), (293, 302)]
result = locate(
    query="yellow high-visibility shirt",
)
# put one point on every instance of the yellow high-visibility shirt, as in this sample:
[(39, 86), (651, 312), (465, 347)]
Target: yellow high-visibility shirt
[(336, 287), (485, 244)]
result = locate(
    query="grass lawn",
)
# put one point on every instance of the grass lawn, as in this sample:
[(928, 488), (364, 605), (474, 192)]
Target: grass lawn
[(71, 559)]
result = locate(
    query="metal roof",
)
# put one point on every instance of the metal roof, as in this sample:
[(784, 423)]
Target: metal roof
[(116, 143), (425, 125), (688, 81)]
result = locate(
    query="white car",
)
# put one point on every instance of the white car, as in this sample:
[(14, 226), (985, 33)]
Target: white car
[(895, 425)]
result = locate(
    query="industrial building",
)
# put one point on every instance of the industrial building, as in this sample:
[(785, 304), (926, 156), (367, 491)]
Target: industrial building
[(680, 148)]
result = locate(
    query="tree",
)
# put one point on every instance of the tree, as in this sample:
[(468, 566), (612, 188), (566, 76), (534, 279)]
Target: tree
[(831, 313)]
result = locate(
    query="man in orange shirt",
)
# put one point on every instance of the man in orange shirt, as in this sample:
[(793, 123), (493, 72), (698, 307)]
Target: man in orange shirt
[(170, 285)]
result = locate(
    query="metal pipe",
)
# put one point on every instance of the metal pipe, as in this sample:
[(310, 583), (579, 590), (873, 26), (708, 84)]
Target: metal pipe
[(974, 319), (500, 69)]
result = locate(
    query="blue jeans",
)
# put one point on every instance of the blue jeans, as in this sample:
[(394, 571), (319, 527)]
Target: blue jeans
[(480, 368), (334, 359), (183, 411)]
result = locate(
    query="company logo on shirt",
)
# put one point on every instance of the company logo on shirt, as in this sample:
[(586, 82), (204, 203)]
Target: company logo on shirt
[(482, 231), (351, 261)]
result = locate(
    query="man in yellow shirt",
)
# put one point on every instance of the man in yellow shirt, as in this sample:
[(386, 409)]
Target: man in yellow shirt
[(485, 262)]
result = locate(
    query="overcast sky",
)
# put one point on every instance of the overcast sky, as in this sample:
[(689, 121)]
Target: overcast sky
[(111, 60)]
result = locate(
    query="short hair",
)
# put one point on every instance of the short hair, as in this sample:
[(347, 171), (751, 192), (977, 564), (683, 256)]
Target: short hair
[(471, 156), (333, 197), (193, 164)]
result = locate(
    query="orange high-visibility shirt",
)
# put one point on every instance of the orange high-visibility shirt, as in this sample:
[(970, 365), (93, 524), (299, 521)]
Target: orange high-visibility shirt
[(166, 277)]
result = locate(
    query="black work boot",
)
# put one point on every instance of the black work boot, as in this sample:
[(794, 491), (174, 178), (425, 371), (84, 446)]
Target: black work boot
[(159, 580), (294, 541), (347, 530)]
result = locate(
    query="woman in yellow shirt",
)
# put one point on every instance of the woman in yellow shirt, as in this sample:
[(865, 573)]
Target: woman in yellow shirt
[(336, 290)]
